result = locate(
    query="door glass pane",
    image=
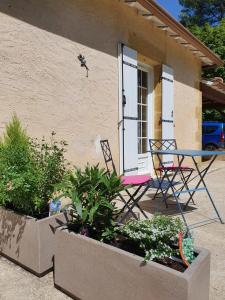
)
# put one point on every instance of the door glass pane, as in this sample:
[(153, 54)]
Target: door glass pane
[(144, 145), (139, 129), (139, 112), (139, 146), (144, 129), (144, 80), (139, 95), (144, 94), (142, 111), (139, 77)]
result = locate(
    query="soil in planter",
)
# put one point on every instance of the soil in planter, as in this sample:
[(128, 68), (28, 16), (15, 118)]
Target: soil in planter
[(37, 216), (169, 262), (125, 244)]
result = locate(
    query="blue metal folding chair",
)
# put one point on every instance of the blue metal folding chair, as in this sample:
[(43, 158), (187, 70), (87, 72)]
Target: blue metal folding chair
[(161, 183)]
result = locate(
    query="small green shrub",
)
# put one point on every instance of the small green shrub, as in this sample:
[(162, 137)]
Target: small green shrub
[(157, 236), (92, 191), (28, 170), (49, 158), (15, 146)]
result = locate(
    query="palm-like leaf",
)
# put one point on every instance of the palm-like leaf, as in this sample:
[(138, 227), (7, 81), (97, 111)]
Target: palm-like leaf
[(92, 191), (77, 204)]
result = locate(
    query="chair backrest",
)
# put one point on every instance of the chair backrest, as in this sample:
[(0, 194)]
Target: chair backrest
[(161, 144), (110, 166), (165, 144)]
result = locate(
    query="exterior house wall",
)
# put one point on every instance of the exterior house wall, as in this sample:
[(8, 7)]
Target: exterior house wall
[(42, 82)]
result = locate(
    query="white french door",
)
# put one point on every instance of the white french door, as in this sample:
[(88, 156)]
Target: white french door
[(145, 118)]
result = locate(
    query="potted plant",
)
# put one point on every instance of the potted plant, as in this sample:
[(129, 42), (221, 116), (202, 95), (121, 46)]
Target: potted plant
[(96, 258), (28, 173)]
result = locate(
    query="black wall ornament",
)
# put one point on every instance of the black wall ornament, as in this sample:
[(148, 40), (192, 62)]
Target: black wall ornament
[(83, 62)]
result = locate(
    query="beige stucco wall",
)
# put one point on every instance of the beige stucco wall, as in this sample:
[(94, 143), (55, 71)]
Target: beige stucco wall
[(42, 81)]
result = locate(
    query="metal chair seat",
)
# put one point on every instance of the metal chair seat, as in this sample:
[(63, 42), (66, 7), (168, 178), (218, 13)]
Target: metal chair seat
[(162, 184)]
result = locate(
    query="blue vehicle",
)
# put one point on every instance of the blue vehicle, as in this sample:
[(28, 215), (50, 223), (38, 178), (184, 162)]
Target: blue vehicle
[(213, 135)]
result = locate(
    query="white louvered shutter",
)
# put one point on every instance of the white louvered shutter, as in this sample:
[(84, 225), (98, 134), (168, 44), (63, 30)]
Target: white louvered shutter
[(130, 114), (167, 108)]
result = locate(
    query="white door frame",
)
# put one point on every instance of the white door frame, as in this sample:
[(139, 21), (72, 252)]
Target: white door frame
[(149, 70)]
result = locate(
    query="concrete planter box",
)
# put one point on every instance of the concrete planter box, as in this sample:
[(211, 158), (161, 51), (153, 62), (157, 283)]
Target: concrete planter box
[(86, 269), (27, 241)]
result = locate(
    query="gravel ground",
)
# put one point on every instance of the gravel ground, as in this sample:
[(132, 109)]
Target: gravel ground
[(18, 284)]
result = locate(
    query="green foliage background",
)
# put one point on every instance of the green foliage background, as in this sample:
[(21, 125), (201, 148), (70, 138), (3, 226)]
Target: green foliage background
[(200, 12), (206, 20), (214, 38)]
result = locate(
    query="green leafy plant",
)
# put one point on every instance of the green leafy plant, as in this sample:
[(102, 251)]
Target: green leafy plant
[(49, 157), (156, 237), (92, 191), (28, 170)]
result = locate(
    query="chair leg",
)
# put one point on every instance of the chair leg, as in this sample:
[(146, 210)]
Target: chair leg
[(132, 197), (126, 204), (185, 180), (165, 199), (156, 193), (135, 202)]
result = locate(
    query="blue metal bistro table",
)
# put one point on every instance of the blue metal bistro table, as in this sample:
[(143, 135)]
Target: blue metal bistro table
[(200, 186)]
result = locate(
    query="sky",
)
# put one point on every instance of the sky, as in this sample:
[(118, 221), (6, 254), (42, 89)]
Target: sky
[(172, 6)]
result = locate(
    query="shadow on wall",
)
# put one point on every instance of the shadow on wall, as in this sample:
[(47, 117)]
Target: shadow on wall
[(72, 21), (77, 20), (12, 227)]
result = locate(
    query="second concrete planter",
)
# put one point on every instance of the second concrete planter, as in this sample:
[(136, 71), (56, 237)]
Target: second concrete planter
[(86, 269), (28, 241)]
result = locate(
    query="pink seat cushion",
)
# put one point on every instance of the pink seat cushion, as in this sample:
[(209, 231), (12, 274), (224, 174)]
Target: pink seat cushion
[(135, 179)]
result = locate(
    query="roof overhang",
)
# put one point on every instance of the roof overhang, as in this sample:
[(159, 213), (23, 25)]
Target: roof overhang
[(213, 91), (154, 13)]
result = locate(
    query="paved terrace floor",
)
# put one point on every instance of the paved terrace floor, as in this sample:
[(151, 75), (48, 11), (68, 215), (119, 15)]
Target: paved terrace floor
[(16, 283)]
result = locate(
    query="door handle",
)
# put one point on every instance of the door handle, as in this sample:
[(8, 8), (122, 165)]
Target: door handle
[(124, 100)]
